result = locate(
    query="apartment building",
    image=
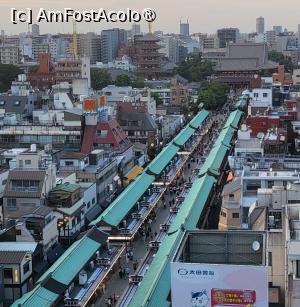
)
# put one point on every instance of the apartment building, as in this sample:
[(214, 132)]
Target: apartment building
[(27, 185), (10, 54)]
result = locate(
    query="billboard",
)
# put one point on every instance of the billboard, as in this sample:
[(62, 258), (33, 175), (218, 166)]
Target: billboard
[(89, 105), (218, 285), (101, 101)]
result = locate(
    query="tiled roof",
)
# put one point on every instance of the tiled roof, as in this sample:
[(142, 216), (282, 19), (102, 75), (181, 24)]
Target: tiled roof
[(74, 155), (23, 174), (10, 257)]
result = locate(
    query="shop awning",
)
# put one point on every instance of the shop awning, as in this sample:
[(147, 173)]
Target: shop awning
[(93, 213), (135, 171)]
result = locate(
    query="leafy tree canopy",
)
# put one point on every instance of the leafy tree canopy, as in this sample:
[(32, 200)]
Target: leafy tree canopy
[(8, 73), (281, 59), (212, 95), (122, 80), (194, 68), (100, 78), (138, 83), (156, 98)]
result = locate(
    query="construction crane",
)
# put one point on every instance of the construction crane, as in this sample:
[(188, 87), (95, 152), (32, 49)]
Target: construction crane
[(75, 48), (149, 27)]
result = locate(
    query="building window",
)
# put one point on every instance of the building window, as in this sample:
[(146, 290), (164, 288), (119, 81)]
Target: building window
[(11, 203), (235, 215), (93, 200), (24, 185), (27, 162), (265, 95), (270, 258), (69, 163), (26, 267), (255, 95), (102, 133), (8, 273)]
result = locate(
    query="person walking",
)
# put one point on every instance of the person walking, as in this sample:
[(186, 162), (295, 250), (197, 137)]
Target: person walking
[(135, 265), (121, 272), (109, 301)]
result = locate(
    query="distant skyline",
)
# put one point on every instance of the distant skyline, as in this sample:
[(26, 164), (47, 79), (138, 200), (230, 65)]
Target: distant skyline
[(204, 16)]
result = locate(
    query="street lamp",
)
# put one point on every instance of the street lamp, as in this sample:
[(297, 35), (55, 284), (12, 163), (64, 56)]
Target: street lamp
[(64, 224)]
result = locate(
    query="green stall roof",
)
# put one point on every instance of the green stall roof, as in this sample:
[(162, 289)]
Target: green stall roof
[(120, 207), (39, 296), (76, 260), (234, 119), (214, 160), (194, 202), (60, 260), (225, 136), (163, 158), (199, 119), (184, 136), (155, 286), (195, 211), (64, 270), (241, 104)]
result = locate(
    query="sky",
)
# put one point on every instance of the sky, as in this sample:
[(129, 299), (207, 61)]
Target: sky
[(204, 16)]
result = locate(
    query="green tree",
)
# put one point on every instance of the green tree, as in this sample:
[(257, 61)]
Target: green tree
[(8, 73), (33, 69), (212, 95), (194, 68), (100, 78), (138, 83), (156, 98), (122, 80), (281, 59)]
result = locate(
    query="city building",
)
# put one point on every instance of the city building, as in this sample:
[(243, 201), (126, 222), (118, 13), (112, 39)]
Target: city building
[(35, 30), (138, 126), (184, 28), (135, 30), (260, 25), (16, 269), (179, 91), (296, 77), (110, 43), (27, 185), (217, 262), (10, 54), (89, 45), (242, 64), (147, 56), (227, 35), (67, 70)]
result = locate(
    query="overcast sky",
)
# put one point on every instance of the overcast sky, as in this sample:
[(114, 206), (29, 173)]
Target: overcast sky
[(204, 15)]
